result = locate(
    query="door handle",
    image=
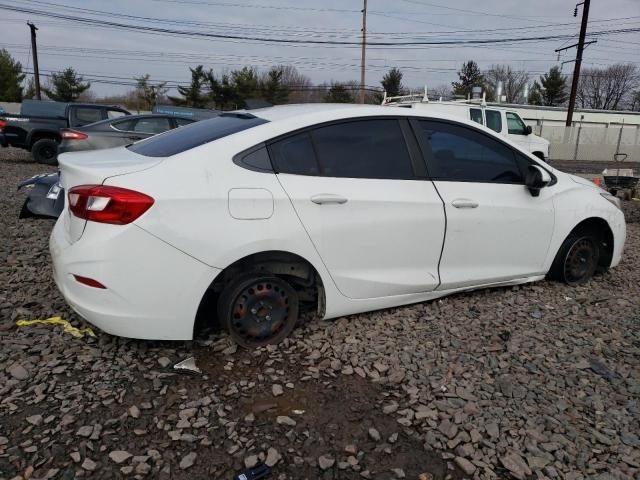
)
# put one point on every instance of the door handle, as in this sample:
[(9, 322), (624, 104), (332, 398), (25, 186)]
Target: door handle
[(326, 198), (464, 203)]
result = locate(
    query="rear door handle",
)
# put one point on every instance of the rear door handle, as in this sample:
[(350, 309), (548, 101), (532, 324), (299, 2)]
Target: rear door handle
[(326, 198), (464, 203)]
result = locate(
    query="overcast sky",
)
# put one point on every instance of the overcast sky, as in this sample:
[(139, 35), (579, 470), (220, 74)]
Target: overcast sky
[(100, 53)]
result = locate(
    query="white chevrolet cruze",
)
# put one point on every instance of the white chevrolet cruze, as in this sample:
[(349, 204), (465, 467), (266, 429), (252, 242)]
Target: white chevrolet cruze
[(255, 218)]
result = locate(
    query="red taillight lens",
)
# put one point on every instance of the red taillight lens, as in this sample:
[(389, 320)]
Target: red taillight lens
[(73, 135), (105, 204), (88, 281), (2, 124)]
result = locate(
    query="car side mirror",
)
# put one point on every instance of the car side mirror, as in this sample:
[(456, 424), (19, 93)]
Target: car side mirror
[(528, 130), (536, 179)]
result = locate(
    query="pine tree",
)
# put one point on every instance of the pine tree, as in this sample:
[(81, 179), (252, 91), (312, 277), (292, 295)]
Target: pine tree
[(11, 78), (194, 95), (470, 76), (66, 86), (338, 94), (273, 89), (551, 90)]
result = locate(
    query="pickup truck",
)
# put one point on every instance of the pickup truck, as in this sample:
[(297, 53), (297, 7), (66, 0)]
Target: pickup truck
[(37, 128)]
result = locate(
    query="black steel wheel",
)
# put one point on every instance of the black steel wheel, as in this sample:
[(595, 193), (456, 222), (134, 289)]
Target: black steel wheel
[(258, 310), (45, 151), (577, 260)]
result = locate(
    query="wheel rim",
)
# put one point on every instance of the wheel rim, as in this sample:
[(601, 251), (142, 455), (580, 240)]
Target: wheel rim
[(261, 312), (47, 152), (580, 261)]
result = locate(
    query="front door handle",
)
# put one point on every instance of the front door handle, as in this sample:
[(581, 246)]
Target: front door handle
[(464, 203), (326, 198)]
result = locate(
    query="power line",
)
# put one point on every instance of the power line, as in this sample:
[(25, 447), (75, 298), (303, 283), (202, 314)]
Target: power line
[(209, 35)]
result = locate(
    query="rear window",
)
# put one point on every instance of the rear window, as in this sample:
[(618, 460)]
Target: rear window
[(190, 136)]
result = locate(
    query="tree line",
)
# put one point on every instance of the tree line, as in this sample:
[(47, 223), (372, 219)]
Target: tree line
[(615, 87)]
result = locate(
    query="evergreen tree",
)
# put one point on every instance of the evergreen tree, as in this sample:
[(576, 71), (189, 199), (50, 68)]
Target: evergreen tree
[(246, 85), (392, 82), (551, 90), (66, 86), (221, 91), (469, 76), (338, 94), (11, 78), (273, 89), (194, 95)]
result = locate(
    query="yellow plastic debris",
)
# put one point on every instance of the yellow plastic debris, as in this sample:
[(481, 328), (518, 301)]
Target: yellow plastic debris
[(68, 328)]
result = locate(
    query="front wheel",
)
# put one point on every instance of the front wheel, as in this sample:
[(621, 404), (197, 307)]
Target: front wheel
[(258, 310), (577, 260)]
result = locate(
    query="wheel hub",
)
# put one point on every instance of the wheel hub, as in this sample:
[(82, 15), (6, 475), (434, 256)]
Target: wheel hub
[(580, 260), (260, 312)]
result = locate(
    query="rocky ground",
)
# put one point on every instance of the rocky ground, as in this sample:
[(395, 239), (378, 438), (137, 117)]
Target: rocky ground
[(539, 381)]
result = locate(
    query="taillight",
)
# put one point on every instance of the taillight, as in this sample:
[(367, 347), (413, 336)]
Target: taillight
[(73, 135), (90, 282), (105, 204), (2, 124)]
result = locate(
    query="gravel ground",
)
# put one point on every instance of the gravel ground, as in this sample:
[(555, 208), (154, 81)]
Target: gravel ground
[(538, 381)]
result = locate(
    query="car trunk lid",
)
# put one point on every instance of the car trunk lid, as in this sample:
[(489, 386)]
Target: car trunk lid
[(93, 168)]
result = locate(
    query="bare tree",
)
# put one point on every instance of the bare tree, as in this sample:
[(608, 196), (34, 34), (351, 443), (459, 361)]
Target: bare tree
[(609, 88), (441, 91), (299, 85), (513, 82)]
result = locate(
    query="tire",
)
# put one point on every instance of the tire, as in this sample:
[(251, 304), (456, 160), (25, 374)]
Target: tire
[(45, 151), (258, 310), (577, 259)]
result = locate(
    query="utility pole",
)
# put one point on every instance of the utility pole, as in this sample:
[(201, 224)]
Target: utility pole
[(34, 49), (576, 69), (364, 50)]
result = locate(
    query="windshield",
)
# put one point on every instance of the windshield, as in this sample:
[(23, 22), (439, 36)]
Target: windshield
[(196, 134)]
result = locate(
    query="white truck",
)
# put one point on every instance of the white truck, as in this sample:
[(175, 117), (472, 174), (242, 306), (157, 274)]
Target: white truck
[(498, 119)]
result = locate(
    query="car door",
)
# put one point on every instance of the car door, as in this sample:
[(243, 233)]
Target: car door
[(360, 192), (517, 130), (496, 230)]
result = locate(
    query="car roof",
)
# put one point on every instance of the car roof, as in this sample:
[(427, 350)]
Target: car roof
[(310, 112)]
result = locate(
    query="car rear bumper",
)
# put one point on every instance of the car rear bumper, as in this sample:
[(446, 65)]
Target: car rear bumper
[(152, 289), (3, 140)]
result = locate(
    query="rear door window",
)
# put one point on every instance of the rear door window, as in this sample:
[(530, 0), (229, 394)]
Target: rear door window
[(124, 125), (111, 113), (152, 125), (363, 149), (494, 120), (476, 115), (181, 122), (295, 155), (182, 139)]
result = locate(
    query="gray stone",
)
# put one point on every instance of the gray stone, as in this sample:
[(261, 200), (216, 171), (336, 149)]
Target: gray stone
[(466, 466), (516, 465), (277, 390), (119, 456), (188, 460), (284, 420), (273, 457), (374, 434), (18, 372), (89, 465), (325, 462), (251, 461)]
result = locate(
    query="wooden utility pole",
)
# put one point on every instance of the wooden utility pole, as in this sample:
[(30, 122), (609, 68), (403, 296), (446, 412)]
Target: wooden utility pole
[(364, 50), (576, 69), (34, 49)]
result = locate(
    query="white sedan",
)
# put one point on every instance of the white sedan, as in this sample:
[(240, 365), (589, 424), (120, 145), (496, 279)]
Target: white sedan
[(252, 219)]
